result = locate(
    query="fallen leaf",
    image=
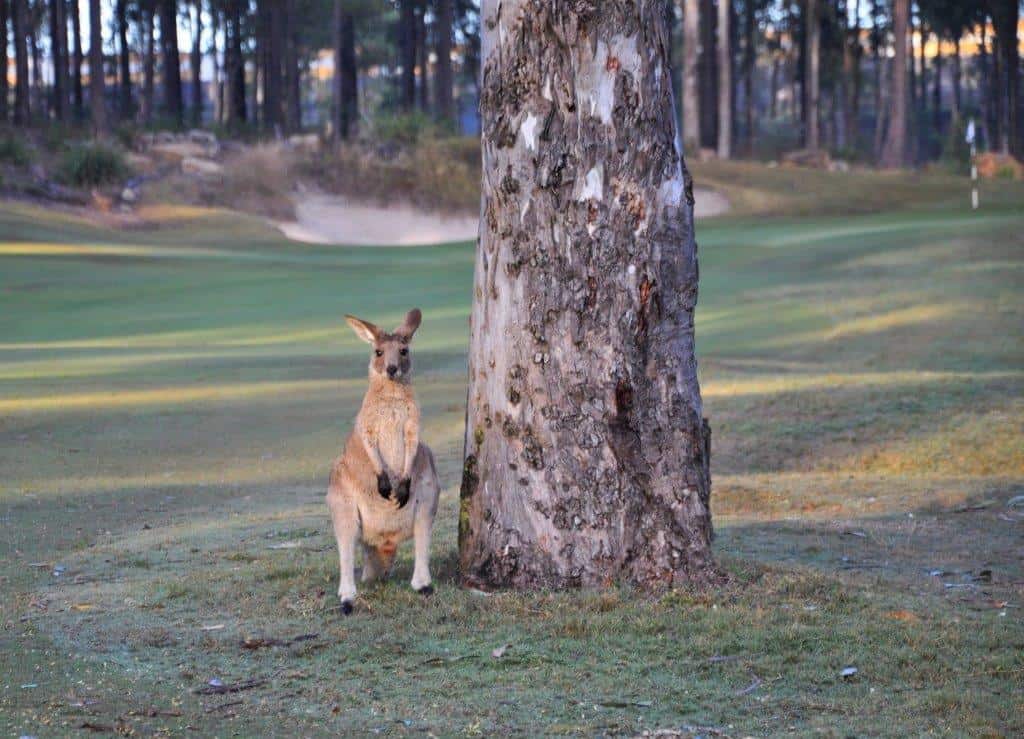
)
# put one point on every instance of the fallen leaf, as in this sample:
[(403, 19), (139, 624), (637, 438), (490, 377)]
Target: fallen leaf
[(212, 627), (848, 672), (82, 607), (285, 545), (973, 507), (217, 687), (500, 651), (625, 704), (1017, 500), (750, 688)]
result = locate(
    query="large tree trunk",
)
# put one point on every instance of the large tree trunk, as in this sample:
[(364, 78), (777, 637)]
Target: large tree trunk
[(894, 154), (19, 26), (443, 75), (422, 57), (173, 99), (851, 59), (292, 72), (937, 87), (4, 15), (691, 83), (197, 65), (124, 59), (586, 458), (813, 74), (148, 60), (724, 80), (345, 72), (97, 86), (58, 56)]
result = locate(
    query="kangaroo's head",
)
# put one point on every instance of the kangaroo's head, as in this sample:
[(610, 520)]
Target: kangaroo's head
[(392, 356)]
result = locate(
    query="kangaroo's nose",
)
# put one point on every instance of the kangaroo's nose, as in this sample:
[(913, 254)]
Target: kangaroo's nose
[(392, 370)]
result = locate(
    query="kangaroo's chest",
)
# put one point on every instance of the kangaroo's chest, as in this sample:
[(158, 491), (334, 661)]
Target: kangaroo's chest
[(385, 424)]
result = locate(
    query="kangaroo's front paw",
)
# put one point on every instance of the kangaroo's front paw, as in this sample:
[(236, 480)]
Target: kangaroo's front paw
[(383, 485), (402, 492), (346, 607), (426, 590)]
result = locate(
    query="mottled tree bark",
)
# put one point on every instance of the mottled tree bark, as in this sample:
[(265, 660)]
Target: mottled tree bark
[(586, 457), (724, 80), (894, 153), (691, 84)]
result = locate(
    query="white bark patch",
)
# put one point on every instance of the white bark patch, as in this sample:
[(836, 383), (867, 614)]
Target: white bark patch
[(547, 90), (598, 83), (671, 192), (529, 131), (593, 185)]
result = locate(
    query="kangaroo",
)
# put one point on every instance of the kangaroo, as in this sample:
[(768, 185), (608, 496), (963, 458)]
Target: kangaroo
[(384, 486)]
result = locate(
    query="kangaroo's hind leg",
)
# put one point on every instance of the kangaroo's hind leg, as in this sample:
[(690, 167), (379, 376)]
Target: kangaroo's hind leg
[(345, 518), (427, 493)]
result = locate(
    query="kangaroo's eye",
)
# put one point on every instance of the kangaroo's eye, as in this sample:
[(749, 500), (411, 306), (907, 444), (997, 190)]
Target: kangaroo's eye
[(378, 352), (404, 352)]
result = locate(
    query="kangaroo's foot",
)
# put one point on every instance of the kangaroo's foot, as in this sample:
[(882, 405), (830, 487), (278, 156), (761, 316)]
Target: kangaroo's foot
[(426, 590)]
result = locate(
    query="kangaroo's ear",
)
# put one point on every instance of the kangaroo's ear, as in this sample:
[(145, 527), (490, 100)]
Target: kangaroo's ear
[(364, 329), (411, 323)]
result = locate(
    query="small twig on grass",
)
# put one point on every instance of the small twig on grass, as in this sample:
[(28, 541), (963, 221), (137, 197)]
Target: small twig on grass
[(234, 688), (446, 660)]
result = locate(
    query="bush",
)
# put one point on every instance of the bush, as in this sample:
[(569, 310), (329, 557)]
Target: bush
[(441, 174), (13, 151), (405, 128), (258, 180), (89, 165)]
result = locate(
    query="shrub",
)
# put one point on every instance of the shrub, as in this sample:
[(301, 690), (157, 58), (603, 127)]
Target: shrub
[(88, 165), (405, 128), (13, 151), (258, 180)]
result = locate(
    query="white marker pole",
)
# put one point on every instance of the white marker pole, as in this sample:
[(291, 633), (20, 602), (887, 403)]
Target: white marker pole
[(974, 164)]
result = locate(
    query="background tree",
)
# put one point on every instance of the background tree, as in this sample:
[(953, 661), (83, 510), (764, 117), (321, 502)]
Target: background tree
[(124, 59), (1005, 21), (19, 26), (97, 82), (174, 106), (77, 58), (586, 457), (812, 25), (895, 152), (196, 62), (443, 78), (4, 91), (59, 60), (725, 96), (691, 88), (346, 102)]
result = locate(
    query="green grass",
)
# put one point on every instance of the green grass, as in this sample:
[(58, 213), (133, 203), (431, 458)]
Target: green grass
[(171, 399)]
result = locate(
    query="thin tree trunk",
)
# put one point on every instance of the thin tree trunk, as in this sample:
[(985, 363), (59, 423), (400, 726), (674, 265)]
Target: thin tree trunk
[(292, 72), (708, 66), (127, 103), (235, 62), (1005, 20), (345, 72), (422, 54), (586, 458), (852, 74), (218, 76), (749, 59), (58, 55), (147, 32), (77, 58), (985, 84), (691, 84), (813, 69), (407, 46), (443, 73), (773, 102), (173, 99), (36, 84), (957, 105), (937, 87), (724, 80), (197, 65), (4, 85), (894, 154), (97, 86)]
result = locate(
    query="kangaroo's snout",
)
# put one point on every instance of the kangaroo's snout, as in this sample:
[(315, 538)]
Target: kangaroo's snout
[(392, 370)]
